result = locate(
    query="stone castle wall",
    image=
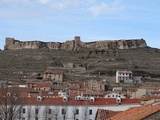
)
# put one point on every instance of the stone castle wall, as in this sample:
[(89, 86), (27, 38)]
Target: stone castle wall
[(74, 45)]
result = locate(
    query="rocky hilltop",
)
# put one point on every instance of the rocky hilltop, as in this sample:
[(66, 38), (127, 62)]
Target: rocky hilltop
[(76, 44)]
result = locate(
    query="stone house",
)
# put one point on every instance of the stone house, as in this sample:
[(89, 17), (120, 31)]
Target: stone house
[(96, 85), (54, 75), (46, 86), (31, 83), (136, 92), (75, 84), (73, 92), (151, 90)]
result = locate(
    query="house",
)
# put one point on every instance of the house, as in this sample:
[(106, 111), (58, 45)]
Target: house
[(151, 90), (62, 94), (96, 85), (73, 91), (114, 95), (46, 86), (136, 92), (75, 84), (72, 108), (117, 89), (124, 76), (137, 79), (92, 94), (54, 75), (31, 83)]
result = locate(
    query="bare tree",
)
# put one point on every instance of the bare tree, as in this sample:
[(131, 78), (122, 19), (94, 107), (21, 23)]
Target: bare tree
[(29, 113), (37, 111), (64, 112), (47, 113), (85, 113), (11, 103), (56, 113), (75, 112)]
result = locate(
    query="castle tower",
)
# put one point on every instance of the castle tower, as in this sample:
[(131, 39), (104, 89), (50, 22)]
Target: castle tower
[(77, 38), (77, 42), (9, 41)]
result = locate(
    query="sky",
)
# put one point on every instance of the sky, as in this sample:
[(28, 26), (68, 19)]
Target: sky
[(61, 20)]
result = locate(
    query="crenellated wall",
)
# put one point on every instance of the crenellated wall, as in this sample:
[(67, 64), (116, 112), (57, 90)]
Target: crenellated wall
[(76, 44)]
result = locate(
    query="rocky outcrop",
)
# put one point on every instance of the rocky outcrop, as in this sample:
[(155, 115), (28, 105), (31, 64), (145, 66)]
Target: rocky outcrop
[(74, 45)]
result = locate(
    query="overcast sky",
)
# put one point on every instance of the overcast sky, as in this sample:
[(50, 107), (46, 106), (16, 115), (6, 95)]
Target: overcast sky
[(61, 20)]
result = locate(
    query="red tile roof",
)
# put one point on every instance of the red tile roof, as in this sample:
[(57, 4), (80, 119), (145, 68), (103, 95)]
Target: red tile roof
[(105, 114), (72, 101), (52, 99), (124, 71), (136, 113), (92, 93), (43, 84), (155, 92), (150, 87), (149, 98), (132, 89)]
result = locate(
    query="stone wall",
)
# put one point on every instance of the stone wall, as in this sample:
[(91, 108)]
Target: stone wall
[(74, 45)]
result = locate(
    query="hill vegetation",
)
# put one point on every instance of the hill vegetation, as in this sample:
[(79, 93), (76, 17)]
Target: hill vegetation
[(88, 64)]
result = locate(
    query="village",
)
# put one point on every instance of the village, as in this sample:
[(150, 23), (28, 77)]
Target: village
[(48, 96)]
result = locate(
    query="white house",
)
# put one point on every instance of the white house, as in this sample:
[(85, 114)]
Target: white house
[(114, 95), (124, 76), (78, 108)]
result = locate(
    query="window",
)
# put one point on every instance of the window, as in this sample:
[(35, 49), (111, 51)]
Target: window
[(90, 112), (77, 111), (36, 111), (24, 111), (49, 111), (49, 119), (63, 111)]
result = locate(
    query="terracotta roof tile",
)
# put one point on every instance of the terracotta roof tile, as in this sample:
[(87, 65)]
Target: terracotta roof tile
[(124, 71), (150, 87), (71, 101), (136, 113), (43, 84), (105, 114), (132, 89)]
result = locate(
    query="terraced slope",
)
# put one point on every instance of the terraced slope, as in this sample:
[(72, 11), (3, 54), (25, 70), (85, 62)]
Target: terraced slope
[(98, 64)]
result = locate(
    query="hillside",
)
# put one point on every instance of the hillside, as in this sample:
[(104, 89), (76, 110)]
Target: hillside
[(80, 65)]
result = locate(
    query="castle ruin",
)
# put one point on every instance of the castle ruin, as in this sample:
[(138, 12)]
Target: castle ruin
[(74, 45)]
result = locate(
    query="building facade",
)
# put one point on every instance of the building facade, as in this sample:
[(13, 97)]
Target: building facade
[(124, 76)]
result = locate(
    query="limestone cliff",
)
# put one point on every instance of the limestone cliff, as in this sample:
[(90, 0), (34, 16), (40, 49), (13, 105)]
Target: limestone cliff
[(76, 44)]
